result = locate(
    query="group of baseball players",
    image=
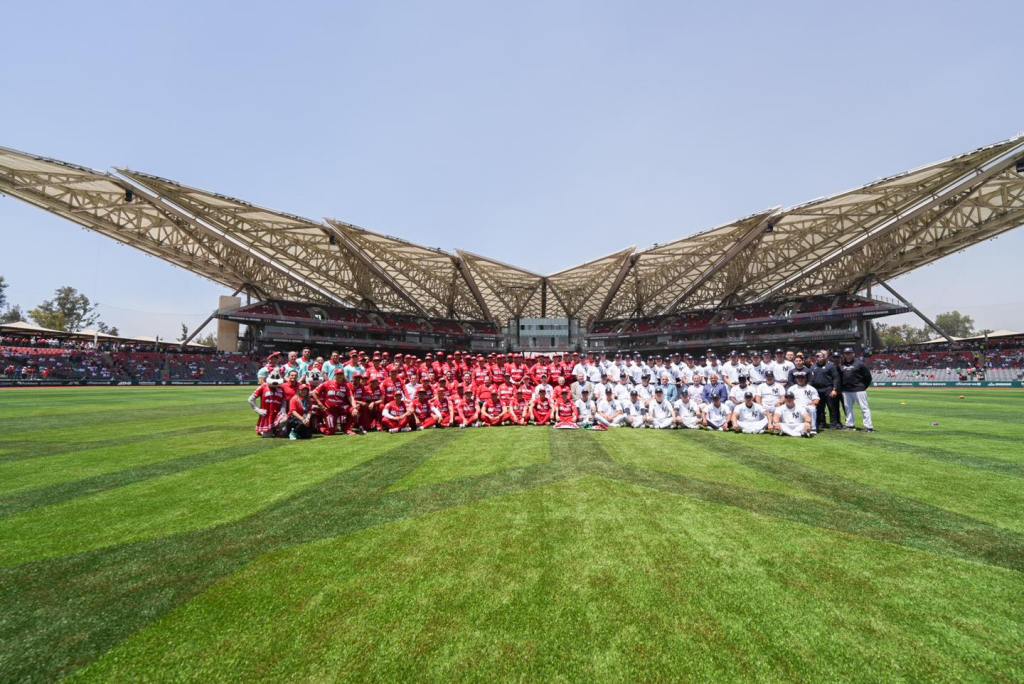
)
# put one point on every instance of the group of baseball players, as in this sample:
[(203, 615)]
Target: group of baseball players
[(785, 393)]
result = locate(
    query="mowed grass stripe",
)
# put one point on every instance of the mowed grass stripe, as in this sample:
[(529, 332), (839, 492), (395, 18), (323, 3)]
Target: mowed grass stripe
[(22, 501), (589, 579), (494, 449), (876, 513), (85, 426), (44, 403), (664, 451), (984, 494), (246, 481), (59, 614), (29, 449), (23, 474)]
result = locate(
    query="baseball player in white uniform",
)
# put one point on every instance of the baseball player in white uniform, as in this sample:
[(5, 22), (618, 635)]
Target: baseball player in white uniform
[(749, 416), (791, 420), (635, 410), (609, 410), (769, 393), (585, 409), (715, 415), (804, 394), (660, 414), (688, 413)]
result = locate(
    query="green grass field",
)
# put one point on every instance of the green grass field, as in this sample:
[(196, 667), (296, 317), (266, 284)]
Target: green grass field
[(147, 534)]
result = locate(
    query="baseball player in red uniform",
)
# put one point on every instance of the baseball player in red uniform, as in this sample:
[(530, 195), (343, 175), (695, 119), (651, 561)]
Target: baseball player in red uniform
[(339, 406)]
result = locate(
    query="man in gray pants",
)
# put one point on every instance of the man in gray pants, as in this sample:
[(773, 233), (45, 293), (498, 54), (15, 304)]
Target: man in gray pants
[(855, 378)]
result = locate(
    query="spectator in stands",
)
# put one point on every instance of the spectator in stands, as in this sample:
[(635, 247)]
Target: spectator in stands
[(855, 380)]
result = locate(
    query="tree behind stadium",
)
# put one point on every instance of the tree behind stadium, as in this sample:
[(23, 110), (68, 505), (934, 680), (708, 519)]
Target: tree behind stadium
[(10, 314), (955, 324), (70, 311)]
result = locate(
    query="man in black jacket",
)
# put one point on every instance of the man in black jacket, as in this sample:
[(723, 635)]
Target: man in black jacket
[(824, 377), (855, 378)]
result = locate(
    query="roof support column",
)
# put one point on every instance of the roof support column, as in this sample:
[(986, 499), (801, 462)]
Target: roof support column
[(460, 264), (620, 277), (909, 305), (748, 238)]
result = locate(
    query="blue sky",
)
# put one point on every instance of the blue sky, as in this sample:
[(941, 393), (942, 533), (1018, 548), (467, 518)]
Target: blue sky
[(543, 134)]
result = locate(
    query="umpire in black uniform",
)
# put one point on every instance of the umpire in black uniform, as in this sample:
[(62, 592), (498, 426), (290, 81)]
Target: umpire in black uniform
[(825, 377)]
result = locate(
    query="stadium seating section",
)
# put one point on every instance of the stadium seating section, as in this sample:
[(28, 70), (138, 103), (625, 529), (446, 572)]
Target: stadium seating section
[(825, 319), (326, 325), (43, 361)]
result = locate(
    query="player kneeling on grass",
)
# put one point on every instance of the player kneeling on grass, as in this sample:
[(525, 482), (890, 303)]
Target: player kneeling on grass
[(338, 405), (397, 416), (635, 410), (444, 406), (423, 413), (300, 414), (659, 412), (688, 413), (268, 401), (565, 414), (586, 410), (492, 411), (749, 417), (792, 420), (609, 411), (519, 406), (540, 408), (469, 410), (715, 417), (805, 396)]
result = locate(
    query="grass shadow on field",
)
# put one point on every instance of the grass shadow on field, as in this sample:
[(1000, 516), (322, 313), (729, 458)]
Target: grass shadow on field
[(59, 614), (20, 502), (1002, 467), (24, 450), (874, 513)]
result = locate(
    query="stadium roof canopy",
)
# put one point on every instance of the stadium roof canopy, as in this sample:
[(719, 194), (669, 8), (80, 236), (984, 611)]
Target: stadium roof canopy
[(834, 245)]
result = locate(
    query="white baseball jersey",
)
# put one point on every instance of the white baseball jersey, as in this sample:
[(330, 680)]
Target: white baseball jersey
[(686, 409), (661, 409), (608, 408), (716, 415), (585, 410), (756, 373), (754, 412), (696, 393), (736, 393), (770, 395), (781, 370), (730, 372), (791, 417), (804, 395), (635, 409), (646, 392)]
